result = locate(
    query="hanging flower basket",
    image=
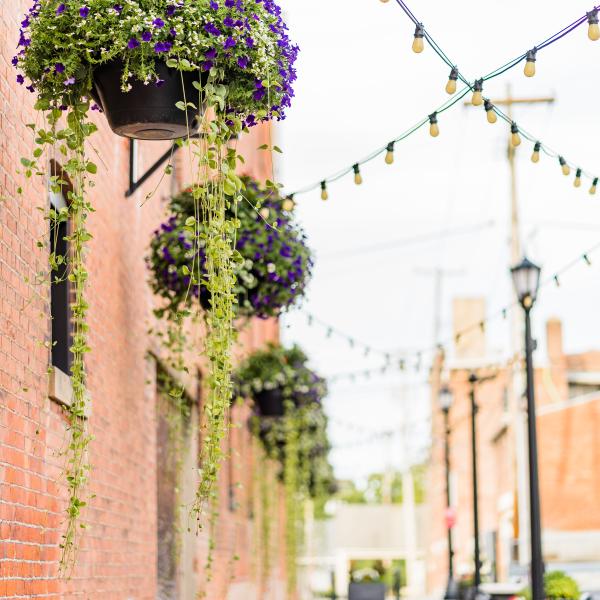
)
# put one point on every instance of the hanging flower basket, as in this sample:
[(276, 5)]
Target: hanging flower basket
[(277, 375), (149, 112), (274, 264)]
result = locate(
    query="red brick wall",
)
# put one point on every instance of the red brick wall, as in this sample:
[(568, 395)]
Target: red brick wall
[(117, 558)]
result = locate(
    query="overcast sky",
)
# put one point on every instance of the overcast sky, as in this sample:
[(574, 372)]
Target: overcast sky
[(359, 85)]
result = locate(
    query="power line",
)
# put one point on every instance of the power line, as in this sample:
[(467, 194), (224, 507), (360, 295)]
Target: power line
[(410, 241)]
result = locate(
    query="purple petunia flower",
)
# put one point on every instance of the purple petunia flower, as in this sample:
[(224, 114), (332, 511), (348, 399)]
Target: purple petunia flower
[(146, 36), (159, 83), (162, 47), (212, 29), (158, 23), (242, 62), (20, 79), (229, 3), (25, 23), (133, 43), (228, 22), (207, 65), (214, 5), (15, 61), (84, 11), (118, 8), (229, 43), (171, 10), (59, 68), (249, 42), (173, 31), (61, 9), (210, 53), (69, 81)]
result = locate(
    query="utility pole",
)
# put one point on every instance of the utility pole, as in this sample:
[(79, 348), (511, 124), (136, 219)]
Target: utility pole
[(521, 520), (516, 347), (438, 275)]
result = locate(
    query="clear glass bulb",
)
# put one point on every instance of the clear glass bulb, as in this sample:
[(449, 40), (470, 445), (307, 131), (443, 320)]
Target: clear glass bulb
[(515, 139), (566, 169), (529, 68), (358, 178), (384, 1), (593, 189), (389, 157), (477, 99), (535, 157), (418, 45), (434, 130), (577, 182), (288, 204), (491, 116), (451, 87), (324, 195), (594, 32)]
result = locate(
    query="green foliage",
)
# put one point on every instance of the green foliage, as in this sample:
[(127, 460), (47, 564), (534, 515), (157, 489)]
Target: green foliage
[(67, 139), (558, 586), (374, 490)]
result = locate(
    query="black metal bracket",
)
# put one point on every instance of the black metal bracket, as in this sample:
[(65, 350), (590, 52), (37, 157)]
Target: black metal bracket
[(134, 182)]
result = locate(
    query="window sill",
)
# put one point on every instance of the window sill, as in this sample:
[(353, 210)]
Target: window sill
[(60, 390)]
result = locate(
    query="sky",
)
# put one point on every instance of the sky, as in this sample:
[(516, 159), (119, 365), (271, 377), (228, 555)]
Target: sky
[(360, 85)]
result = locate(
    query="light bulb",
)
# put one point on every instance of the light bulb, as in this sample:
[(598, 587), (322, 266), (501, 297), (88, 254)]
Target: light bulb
[(389, 155), (434, 129), (289, 204), (451, 85), (593, 29), (477, 99), (490, 112), (264, 213), (566, 169), (384, 1), (530, 63), (418, 45), (594, 186), (324, 194), (515, 138), (577, 182), (535, 157), (357, 176)]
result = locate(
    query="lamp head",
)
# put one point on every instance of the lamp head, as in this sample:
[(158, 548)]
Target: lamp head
[(445, 398), (526, 280)]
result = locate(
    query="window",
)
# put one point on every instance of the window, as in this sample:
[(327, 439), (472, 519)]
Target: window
[(60, 310)]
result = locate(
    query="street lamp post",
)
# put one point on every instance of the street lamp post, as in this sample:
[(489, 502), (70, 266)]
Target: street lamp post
[(526, 279), (473, 380), (445, 404)]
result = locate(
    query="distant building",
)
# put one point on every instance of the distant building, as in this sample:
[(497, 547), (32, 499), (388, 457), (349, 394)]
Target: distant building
[(568, 401), (358, 532)]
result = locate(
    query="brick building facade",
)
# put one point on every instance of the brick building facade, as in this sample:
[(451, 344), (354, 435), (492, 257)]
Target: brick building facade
[(568, 401), (122, 556)]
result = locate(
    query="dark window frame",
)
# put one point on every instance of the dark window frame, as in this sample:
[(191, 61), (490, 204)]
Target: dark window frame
[(61, 327)]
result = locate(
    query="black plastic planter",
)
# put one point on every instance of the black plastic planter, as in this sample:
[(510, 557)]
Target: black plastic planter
[(366, 591), (270, 403), (148, 112)]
